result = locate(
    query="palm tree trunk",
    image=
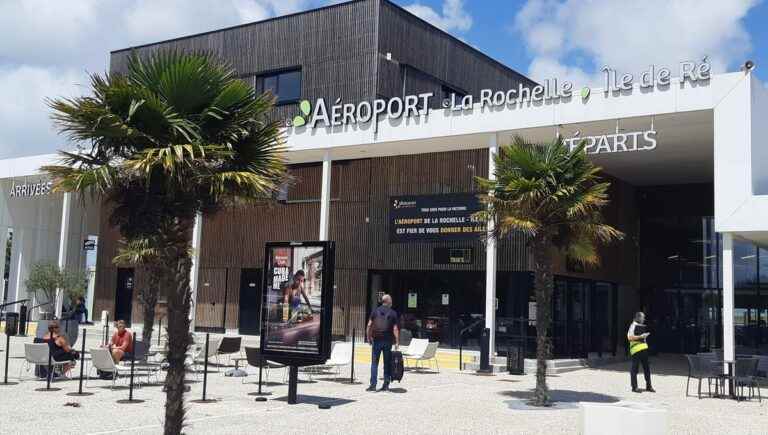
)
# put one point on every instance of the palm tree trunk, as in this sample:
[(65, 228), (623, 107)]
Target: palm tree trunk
[(179, 263), (543, 285), (148, 298)]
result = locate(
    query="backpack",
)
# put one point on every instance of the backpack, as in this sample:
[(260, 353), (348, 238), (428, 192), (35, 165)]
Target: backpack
[(381, 326), (398, 367)]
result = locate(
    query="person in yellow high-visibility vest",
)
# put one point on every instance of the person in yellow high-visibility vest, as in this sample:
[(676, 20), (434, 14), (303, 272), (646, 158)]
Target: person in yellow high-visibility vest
[(638, 349)]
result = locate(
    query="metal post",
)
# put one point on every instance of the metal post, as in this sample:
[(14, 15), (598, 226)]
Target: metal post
[(7, 353), (205, 373), (130, 385), (205, 365), (50, 369), (106, 329), (293, 379), (352, 366), (461, 347), (260, 393), (159, 330), (82, 370), (50, 373)]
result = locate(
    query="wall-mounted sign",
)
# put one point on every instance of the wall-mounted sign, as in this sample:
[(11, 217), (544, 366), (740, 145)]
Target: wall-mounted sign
[(453, 255), (322, 114), (30, 190), (413, 300), (615, 143), (89, 245), (298, 302), (433, 218)]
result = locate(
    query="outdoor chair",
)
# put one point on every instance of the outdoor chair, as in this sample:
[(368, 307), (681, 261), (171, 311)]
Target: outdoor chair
[(228, 346), (101, 361), (141, 359), (416, 347), (762, 366), (254, 359), (200, 356), (746, 376), (429, 355), (702, 367), (341, 355), (36, 354)]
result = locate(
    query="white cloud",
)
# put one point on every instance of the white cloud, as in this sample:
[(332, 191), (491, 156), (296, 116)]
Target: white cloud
[(629, 35), (49, 46), (453, 16)]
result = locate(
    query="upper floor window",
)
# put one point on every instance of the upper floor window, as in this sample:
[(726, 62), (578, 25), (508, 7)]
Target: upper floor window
[(449, 91), (284, 85)]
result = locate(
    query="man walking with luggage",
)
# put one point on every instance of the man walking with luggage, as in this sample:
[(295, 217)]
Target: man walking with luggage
[(638, 349), (382, 331)]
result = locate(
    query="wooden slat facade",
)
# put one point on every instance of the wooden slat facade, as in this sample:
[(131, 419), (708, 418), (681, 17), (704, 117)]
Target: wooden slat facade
[(341, 51)]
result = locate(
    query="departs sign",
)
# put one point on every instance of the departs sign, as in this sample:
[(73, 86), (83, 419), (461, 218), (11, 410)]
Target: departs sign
[(434, 218), (297, 304)]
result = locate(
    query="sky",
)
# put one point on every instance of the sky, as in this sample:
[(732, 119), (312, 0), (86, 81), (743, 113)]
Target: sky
[(49, 46)]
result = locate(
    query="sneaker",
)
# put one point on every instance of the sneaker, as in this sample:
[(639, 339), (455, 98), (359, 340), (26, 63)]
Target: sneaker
[(385, 387), (371, 388), (636, 390), (650, 389)]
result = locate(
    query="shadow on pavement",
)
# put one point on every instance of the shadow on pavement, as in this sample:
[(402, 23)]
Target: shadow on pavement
[(562, 399), (317, 400)]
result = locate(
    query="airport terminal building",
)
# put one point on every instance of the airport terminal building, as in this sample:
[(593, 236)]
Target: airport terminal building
[(388, 122)]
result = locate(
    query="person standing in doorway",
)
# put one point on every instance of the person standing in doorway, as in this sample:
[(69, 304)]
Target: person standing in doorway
[(638, 349), (382, 331)]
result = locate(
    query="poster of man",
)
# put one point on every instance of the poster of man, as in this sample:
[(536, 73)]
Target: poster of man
[(294, 299)]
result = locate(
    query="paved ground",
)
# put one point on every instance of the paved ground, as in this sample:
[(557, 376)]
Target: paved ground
[(428, 403)]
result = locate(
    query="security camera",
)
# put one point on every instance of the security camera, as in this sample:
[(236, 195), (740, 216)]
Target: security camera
[(748, 65)]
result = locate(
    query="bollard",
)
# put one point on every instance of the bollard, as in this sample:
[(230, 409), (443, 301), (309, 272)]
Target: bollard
[(352, 366), (130, 386), (49, 374), (7, 353), (205, 373), (106, 329), (82, 369), (461, 359), (260, 393)]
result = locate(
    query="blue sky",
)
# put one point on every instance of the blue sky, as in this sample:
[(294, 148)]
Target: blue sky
[(594, 32), (48, 46)]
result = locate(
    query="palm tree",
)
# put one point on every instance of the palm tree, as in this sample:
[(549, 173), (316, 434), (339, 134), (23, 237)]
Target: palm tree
[(176, 135), (554, 196)]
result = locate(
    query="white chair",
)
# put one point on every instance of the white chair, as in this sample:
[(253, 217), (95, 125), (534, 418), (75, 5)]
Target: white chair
[(101, 360), (416, 347), (429, 355), (341, 355), (36, 354), (200, 356)]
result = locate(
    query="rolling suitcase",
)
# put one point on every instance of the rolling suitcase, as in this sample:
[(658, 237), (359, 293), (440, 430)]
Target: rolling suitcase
[(397, 366)]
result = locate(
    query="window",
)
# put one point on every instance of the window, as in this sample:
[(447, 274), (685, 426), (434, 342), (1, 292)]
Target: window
[(285, 85), (449, 91)]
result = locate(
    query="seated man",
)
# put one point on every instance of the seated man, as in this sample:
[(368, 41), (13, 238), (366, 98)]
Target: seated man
[(121, 344)]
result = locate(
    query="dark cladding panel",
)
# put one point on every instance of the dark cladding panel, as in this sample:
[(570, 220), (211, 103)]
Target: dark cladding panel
[(416, 43)]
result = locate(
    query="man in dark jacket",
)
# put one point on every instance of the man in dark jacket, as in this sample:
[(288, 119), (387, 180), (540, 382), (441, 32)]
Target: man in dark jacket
[(382, 332)]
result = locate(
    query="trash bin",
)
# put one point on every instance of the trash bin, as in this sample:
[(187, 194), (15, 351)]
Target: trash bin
[(11, 323), (516, 357), (23, 319)]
